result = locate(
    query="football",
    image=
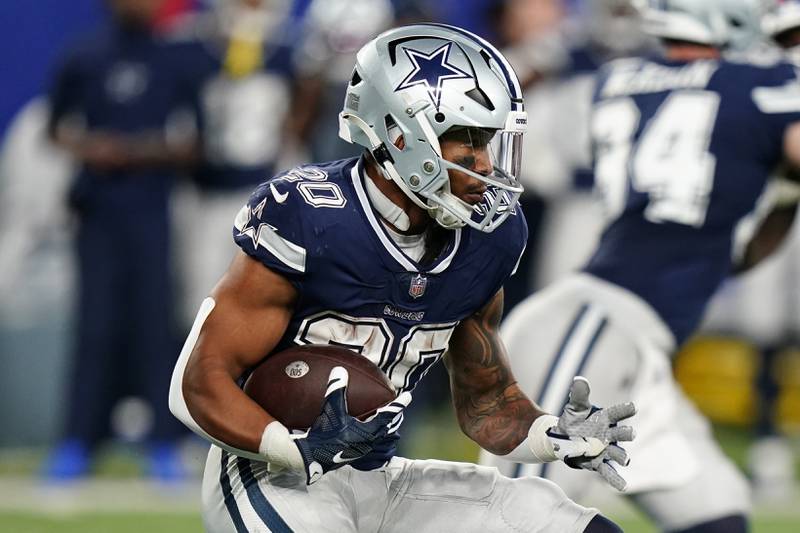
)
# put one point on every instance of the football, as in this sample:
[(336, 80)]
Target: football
[(290, 385)]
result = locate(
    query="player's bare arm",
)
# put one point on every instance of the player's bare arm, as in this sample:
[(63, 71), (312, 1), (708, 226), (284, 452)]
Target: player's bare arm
[(495, 413), (769, 236), (243, 321), (791, 144), (491, 408), (252, 310), (775, 225)]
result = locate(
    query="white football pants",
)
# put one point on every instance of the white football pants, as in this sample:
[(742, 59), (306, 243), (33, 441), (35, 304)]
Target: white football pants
[(407, 496), (585, 326)]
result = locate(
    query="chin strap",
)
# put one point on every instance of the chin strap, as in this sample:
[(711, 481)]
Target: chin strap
[(383, 157), (446, 218)]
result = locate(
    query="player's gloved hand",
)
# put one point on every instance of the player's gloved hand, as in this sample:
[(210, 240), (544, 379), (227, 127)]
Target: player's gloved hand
[(336, 438), (585, 436)]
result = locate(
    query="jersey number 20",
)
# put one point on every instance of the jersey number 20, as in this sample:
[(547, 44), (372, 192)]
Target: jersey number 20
[(405, 363)]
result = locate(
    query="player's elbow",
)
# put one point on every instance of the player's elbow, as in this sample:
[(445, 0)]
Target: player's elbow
[(177, 401), (184, 392), (186, 401)]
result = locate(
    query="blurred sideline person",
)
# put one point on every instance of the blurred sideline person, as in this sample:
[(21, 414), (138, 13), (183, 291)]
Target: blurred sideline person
[(530, 34), (683, 147), (34, 177), (399, 255), (333, 31), (235, 63), (762, 306), (110, 104)]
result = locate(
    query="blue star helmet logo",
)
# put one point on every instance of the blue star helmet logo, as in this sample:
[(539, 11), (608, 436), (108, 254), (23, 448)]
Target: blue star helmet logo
[(432, 70)]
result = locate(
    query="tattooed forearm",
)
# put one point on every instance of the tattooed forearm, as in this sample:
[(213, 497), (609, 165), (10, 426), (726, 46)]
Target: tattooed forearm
[(491, 408)]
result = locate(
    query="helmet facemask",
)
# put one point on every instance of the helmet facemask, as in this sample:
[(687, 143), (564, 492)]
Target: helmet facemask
[(480, 165)]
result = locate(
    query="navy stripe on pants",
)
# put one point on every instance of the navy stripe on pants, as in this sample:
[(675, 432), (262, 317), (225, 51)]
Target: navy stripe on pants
[(265, 510), (230, 501)]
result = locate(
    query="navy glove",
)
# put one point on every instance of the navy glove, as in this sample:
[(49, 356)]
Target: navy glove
[(336, 438)]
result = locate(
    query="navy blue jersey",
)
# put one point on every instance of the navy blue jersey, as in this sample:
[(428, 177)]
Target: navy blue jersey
[(240, 120), (118, 81), (316, 227), (682, 152)]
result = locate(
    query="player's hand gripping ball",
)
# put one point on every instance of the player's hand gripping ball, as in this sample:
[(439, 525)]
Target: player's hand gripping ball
[(291, 385)]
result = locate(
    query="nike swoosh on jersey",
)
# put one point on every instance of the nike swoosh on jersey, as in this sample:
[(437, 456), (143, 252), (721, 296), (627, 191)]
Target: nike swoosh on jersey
[(338, 459), (279, 197)]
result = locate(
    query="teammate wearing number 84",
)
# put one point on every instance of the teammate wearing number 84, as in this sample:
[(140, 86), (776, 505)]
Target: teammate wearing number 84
[(683, 148), (401, 255)]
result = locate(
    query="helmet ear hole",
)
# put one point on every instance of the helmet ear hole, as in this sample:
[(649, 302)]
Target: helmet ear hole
[(355, 79), (394, 133)]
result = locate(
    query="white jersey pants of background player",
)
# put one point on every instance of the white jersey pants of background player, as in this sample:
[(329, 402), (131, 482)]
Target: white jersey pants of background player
[(406, 496), (583, 325)]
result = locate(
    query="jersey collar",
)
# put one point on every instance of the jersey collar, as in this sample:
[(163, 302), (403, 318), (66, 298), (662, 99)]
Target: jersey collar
[(358, 177)]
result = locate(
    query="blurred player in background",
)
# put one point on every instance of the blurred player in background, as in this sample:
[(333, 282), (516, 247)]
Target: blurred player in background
[(683, 148), (762, 306), (235, 63), (110, 105), (561, 60), (401, 255), (333, 31)]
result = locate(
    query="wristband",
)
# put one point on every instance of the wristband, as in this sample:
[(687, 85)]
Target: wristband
[(279, 449), (537, 446)]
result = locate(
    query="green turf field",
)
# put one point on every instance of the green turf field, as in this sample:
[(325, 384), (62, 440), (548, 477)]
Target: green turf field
[(186, 523), (118, 500), (100, 523)]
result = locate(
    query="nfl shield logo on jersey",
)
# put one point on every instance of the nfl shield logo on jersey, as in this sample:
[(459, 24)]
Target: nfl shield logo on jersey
[(417, 287)]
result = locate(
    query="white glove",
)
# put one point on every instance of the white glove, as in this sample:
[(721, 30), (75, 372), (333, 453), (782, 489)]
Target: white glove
[(584, 436)]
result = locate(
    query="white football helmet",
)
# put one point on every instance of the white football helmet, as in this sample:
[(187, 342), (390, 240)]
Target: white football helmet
[(732, 24), (781, 16), (420, 81)]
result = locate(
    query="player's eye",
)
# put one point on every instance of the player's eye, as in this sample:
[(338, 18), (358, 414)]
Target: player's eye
[(465, 161)]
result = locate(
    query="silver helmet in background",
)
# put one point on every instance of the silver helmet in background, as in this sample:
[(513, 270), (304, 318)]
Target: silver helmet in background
[(729, 24), (780, 17)]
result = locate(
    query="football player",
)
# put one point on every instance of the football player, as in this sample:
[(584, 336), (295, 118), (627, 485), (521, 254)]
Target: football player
[(400, 254), (760, 306), (683, 146)]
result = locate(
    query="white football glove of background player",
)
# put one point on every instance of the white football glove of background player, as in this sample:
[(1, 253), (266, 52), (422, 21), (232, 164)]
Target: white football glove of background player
[(584, 436)]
